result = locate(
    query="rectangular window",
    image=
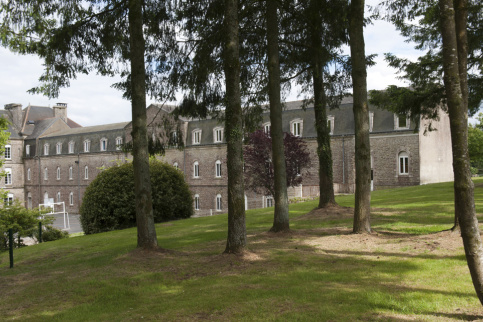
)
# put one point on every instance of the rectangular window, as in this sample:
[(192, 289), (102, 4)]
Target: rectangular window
[(196, 136), (8, 200), (28, 174), (46, 149), (86, 172), (58, 148), (297, 128), (8, 176), (403, 164), (269, 202), (87, 146), (71, 198), (197, 202), (218, 135), (103, 145), (46, 174), (218, 202), (118, 143), (70, 173), (27, 150), (8, 152), (196, 170), (267, 128), (402, 120), (218, 169)]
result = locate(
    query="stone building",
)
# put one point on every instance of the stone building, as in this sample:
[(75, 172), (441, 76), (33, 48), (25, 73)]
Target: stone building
[(49, 156)]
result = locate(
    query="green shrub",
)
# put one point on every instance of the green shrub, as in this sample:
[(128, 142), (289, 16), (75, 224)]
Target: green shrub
[(109, 201), (50, 233)]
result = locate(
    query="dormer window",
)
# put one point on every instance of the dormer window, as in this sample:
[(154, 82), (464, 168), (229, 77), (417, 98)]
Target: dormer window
[(71, 146), (401, 121), (330, 124), (58, 148), (46, 149), (218, 135), (296, 127), (27, 150), (103, 144), (118, 143), (196, 136), (87, 146)]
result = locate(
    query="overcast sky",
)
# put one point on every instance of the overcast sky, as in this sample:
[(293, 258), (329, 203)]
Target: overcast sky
[(92, 101)]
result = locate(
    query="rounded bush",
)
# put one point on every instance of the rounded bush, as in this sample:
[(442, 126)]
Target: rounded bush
[(109, 201)]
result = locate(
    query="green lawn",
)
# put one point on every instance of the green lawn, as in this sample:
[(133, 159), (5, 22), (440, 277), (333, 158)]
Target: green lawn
[(408, 270)]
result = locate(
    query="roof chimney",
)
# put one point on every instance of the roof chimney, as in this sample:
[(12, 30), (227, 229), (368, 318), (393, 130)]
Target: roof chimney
[(15, 113), (60, 111)]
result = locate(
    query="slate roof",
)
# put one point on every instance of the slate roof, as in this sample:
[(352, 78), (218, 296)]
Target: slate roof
[(11, 127), (90, 129), (35, 114)]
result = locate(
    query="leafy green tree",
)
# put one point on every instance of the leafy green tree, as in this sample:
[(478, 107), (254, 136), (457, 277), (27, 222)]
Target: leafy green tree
[(132, 38), (475, 144)]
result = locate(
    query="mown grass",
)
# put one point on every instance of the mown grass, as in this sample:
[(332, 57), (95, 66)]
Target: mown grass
[(297, 276)]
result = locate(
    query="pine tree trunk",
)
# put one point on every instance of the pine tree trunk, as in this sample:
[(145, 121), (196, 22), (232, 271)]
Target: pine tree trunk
[(362, 208), (461, 20), (280, 220), (458, 114), (142, 183), (324, 153), (236, 240)]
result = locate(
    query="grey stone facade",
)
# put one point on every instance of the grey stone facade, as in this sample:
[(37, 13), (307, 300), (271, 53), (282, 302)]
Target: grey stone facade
[(54, 157)]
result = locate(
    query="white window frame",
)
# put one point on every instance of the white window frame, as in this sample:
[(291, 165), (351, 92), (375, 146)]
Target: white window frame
[(269, 201), (219, 205), (103, 144), (46, 149), (218, 134), (8, 200), (403, 163), (86, 172), (8, 176), (58, 148), (28, 174), (58, 173), (297, 127), (118, 143), (176, 165), (218, 169), (46, 173), (27, 150), (71, 147), (196, 200), (71, 198), (87, 145), (8, 152), (71, 173), (196, 136), (331, 124), (396, 122), (196, 169), (267, 128), (58, 196)]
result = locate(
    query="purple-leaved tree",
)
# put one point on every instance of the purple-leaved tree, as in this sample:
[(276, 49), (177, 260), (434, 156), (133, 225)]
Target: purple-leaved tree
[(259, 175)]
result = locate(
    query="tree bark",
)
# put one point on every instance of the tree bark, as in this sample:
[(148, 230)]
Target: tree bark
[(236, 240), (458, 114), (461, 20), (142, 183), (362, 208), (324, 152), (280, 220)]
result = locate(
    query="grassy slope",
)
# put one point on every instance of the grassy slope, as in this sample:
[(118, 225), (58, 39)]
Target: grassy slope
[(101, 277)]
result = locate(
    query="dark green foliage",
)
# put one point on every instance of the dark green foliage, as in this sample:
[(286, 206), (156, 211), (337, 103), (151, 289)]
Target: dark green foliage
[(108, 202), (50, 234)]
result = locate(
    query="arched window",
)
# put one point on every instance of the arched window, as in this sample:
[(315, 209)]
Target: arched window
[(86, 172), (8, 152), (196, 136), (28, 174), (266, 128), (27, 150), (46, 174), (196, 170), (217, 135), (58, 196), (403, 163), (118, 143), (269, 201), (71, 146), (71, 198), (87, 146), (218, 203), (29, 200), (58, 173), (176, 165), (46, 149), (197, 202), (218, 169), (297, 127), (71, 173), (58, 148), (103, 144)]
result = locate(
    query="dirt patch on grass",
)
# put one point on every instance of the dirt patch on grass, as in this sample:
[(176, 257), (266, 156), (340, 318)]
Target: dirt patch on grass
[(330, 212)]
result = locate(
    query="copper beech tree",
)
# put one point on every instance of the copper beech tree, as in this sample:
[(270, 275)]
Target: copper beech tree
[(259, 174)]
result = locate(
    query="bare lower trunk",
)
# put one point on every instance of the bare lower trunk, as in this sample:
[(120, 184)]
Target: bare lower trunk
[(458, 113), (237, 235), (362, 208), (324, 153), (142, 183), (280, 220)]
